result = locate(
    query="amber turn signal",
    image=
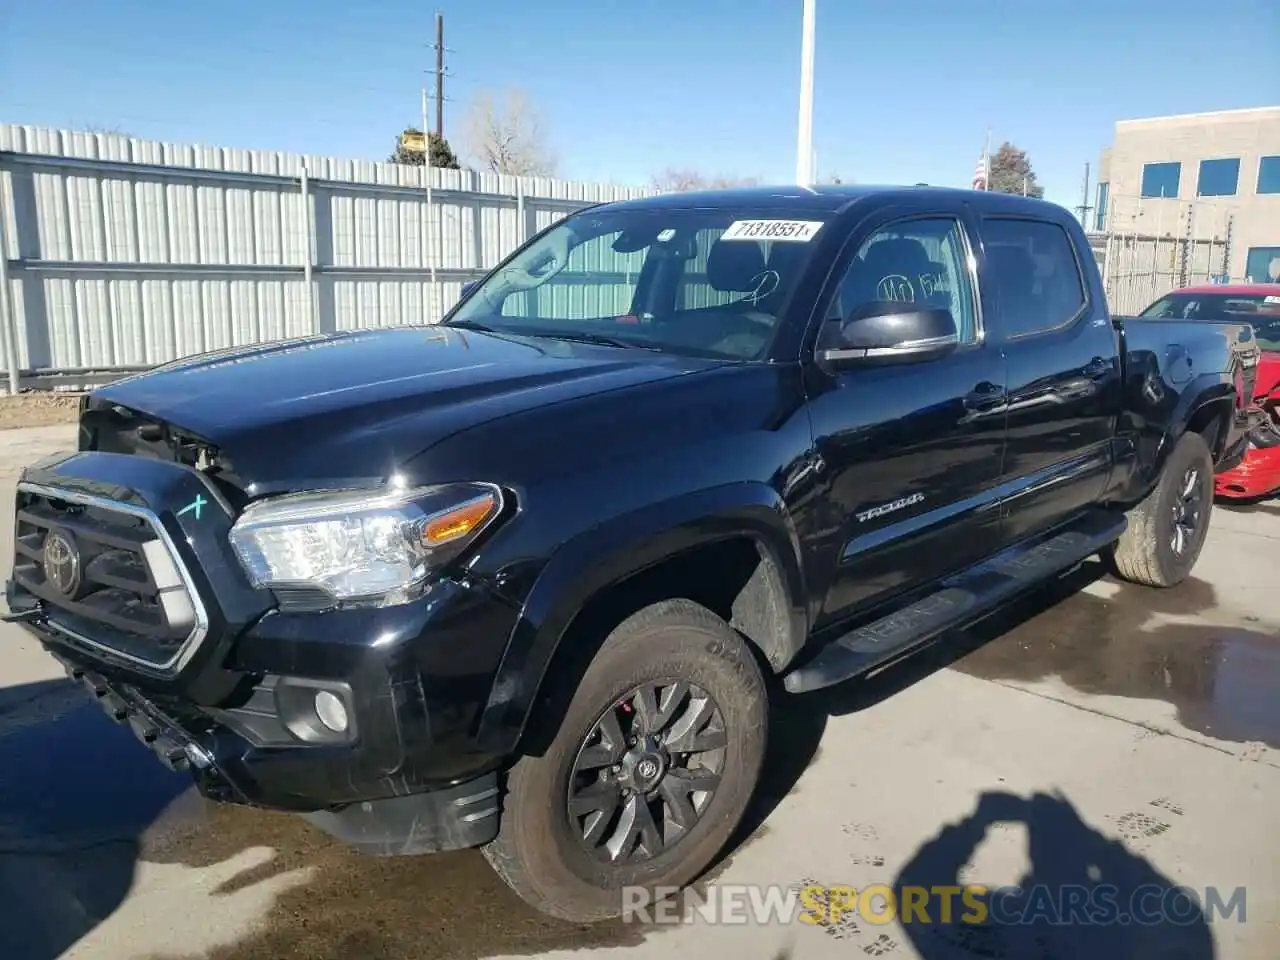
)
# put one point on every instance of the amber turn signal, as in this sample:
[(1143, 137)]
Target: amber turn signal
[(459, 521)]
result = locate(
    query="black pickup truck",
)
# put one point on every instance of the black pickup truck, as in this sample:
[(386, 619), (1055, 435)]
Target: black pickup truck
[(527, 579)]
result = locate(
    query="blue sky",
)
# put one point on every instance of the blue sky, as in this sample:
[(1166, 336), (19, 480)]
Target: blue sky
[(904, 91)]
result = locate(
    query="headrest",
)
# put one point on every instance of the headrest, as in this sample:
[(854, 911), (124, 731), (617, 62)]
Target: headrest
[(734, 266), (1014, 265), (902, 255)]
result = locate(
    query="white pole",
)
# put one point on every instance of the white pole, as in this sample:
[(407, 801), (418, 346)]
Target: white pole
[(804, 138), (426, 172), (986, 155)]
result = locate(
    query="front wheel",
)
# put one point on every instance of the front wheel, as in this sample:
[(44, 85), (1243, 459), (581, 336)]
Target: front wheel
[(1167, 530), (649, 774)]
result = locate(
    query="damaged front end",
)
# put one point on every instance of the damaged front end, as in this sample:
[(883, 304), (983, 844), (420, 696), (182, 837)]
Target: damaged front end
[(1258, 474)]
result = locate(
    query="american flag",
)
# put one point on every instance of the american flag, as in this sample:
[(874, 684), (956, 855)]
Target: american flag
[(980, 173)]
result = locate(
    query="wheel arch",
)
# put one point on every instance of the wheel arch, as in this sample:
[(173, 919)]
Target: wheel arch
[(1207, 411), (741, 533)]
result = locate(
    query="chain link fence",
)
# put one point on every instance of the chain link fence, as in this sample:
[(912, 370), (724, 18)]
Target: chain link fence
[(1138, 269)]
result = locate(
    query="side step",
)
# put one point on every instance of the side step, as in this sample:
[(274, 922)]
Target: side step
[(960, 599)]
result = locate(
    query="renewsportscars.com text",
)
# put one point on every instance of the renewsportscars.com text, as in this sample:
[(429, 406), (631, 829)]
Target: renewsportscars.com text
[(817, 905)]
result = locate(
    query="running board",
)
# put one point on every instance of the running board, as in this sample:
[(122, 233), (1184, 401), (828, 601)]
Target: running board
[(960, 600)]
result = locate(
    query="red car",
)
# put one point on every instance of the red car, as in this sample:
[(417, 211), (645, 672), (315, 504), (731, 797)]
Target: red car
[(1258, 475)]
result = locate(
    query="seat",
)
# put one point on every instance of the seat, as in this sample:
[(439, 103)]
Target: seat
[(1015, 270), (889, 269), (734, 266)]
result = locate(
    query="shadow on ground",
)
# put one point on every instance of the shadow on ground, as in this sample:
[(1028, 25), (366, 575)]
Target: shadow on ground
[(101, 785), (1084, 895), (75, 794)]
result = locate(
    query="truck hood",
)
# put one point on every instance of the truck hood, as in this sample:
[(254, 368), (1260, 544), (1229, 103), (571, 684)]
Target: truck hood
[(351, 406)]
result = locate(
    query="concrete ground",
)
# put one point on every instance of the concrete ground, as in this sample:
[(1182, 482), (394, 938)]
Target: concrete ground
[(1118, 736)]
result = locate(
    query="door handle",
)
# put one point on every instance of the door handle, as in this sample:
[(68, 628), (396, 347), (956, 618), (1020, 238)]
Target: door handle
[(985, 396)]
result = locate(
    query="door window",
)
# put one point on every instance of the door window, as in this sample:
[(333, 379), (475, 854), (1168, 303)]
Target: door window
[(1032, 264), (913, 261)]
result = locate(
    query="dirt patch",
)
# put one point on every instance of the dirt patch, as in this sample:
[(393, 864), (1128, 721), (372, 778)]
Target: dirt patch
[(448, 906), (38, 409)]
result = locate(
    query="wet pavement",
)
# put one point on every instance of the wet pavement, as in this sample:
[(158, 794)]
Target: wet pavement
[(1141, 726)]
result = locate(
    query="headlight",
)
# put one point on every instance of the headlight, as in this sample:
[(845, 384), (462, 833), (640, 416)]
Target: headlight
[(361, 545)]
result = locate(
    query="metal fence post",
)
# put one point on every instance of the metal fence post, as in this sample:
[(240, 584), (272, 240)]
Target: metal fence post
[(9, 329), (522, 228), (308, 227), (1226, 252), (1107, 286)]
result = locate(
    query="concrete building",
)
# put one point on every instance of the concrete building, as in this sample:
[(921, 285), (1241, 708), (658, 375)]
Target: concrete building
[(1198, 177)]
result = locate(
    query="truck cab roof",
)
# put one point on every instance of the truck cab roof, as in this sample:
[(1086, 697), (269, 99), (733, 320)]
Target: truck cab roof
[(829, 198)]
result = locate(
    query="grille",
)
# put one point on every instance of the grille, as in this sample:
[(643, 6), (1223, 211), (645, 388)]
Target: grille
[(107, 574)]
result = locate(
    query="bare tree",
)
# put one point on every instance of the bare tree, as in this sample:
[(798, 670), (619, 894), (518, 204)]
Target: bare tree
[(673, 180), (504, 134)]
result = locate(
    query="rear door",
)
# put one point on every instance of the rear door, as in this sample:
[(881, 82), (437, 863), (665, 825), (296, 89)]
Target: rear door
[(1062, 365), (910, 454)]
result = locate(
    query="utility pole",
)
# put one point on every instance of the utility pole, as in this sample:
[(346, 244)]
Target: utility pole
[(1085, 207), (804, 134), (439, 76)]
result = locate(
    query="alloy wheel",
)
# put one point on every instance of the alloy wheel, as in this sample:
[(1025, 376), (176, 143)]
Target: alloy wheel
[(1188, 511), (647, 771)]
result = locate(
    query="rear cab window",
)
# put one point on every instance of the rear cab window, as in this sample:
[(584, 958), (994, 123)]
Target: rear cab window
[(1033, 267)]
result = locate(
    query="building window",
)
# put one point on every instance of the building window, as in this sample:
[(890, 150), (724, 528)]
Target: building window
[(1161, 179), (1263, 265), (1218, 178), (1100, 223), (1269, 175)]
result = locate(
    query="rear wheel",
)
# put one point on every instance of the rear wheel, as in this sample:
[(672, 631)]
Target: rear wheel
[(649, 774), (1167, 530)]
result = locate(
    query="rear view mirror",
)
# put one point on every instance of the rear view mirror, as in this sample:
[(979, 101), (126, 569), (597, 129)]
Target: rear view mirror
[(887, 332)]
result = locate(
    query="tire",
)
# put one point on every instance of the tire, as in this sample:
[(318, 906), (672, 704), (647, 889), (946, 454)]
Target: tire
[(1146, 554), (539, 853)]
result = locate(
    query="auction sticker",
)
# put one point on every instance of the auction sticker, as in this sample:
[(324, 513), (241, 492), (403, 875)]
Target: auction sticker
[(792, 231)]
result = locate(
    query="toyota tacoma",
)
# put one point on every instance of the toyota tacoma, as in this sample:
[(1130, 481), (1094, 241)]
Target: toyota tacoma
[(528, 579)]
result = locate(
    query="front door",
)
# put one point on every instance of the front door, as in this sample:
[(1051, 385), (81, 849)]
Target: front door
[(910, 454)]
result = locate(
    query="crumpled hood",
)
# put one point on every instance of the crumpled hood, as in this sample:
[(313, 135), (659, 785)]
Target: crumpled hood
[(354, 405)]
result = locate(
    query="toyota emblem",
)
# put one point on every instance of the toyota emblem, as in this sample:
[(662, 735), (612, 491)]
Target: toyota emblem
[(61, 563), (646, 768)]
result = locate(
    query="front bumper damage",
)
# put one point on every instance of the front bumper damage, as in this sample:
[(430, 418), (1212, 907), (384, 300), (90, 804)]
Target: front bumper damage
[(1257, 474), (406, 778)]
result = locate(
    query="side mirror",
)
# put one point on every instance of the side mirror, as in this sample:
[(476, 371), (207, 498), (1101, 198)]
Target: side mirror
[(468, 287), (886, 332)]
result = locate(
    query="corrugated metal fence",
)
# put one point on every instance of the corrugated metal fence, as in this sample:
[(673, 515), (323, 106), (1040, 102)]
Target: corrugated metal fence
[(118, 254)]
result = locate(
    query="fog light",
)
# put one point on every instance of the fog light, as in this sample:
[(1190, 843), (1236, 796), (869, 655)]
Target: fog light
[(331, 711)]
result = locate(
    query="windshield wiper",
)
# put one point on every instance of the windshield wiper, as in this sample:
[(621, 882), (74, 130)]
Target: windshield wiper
[(468, 325), (598, 338)]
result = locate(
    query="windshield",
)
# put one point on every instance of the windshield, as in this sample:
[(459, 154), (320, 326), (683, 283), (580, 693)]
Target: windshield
[(703, 282), (1262, 311)]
